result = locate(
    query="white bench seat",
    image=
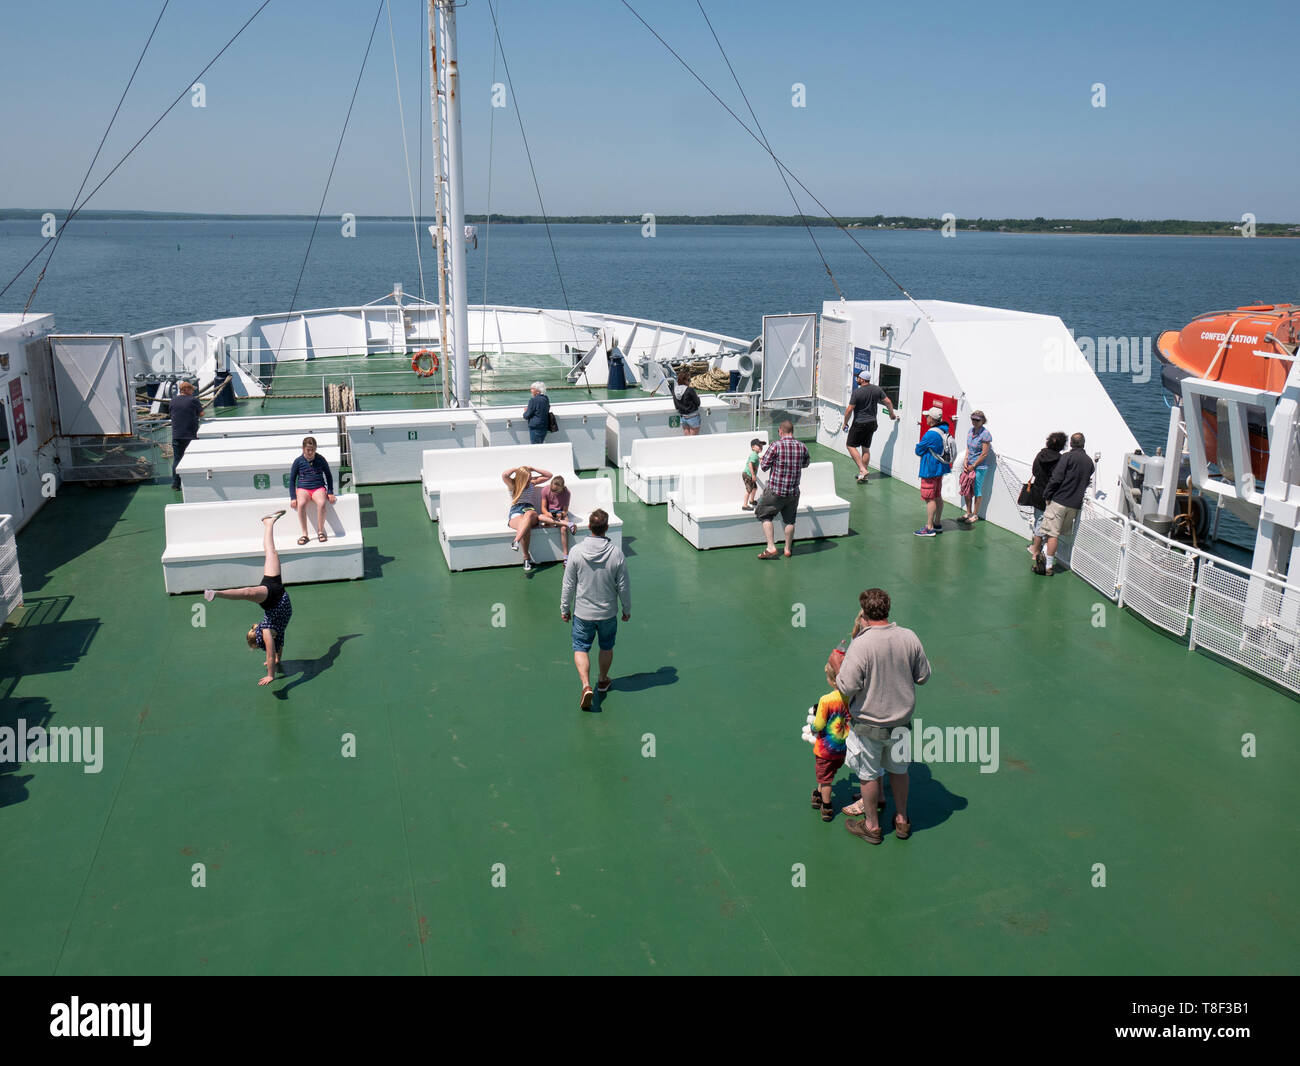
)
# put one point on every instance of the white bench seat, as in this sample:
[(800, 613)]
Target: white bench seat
[(480, 467), (252, 443), (474, 532), (387, 447), (267, 425), (219, 545), (656, 416), (235, 474), (706, 510), (655, 464)]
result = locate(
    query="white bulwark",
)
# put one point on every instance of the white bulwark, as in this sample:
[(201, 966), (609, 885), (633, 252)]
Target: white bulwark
[(1024, 371)]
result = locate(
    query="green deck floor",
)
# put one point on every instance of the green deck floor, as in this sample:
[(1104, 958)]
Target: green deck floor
[(1117, 746)]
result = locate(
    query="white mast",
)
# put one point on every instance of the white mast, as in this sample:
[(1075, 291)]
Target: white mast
[(449, 233)]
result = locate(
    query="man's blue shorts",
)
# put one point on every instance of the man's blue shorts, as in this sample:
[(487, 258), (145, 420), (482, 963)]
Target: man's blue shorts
[(586, 632)]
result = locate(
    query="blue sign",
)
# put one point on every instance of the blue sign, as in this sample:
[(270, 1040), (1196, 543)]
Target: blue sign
[(861, 361)]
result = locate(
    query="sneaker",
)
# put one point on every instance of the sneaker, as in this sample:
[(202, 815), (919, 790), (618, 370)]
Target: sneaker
[(209, 595), (604, 686), (573, 529), (585, 702), (528, 566), (862, 479), (924, 531), (1042, 569), (514, 545), (746, 506), (938, 529)]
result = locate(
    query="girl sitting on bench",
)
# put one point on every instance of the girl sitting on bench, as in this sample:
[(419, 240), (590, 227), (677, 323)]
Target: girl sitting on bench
[(525, 485), (273, 597), (310, 481)]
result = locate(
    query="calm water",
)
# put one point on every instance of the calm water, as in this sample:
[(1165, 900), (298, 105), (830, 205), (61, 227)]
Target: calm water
[(124, 276)]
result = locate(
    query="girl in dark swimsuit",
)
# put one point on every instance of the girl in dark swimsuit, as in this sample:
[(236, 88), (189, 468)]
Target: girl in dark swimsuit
[(274, 599)]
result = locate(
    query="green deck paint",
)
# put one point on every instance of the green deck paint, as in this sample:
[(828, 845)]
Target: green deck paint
[(1117, 746)]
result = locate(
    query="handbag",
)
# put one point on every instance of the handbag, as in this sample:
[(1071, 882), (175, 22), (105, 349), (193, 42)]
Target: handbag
[(552, 426), (1025, 499)]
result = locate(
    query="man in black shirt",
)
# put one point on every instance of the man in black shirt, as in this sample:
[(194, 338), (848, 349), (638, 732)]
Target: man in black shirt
[(862, 407), (186, 413), (1064, 495)]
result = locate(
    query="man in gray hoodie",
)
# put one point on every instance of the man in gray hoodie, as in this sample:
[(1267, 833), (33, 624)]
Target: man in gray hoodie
[(596, 574)]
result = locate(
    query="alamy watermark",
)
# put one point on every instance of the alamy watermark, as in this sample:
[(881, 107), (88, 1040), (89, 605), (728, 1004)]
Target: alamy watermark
[(1101, 355), (28, 744), (946, 744)]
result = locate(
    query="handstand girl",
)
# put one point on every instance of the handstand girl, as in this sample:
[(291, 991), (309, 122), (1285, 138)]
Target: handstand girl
[(274, 600)]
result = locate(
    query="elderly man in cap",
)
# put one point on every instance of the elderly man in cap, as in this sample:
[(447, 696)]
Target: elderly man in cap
[(861, 413), (933, 468)]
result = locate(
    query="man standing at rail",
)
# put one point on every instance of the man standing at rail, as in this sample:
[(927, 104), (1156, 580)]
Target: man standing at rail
[(785, 458), (186, 411)]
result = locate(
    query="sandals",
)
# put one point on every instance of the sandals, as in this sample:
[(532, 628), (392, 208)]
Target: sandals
[(302, 540), (321, 536), (275, 516), (768, 555)]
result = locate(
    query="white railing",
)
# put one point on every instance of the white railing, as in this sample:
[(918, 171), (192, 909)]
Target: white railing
[(1217, 605), (11, 580)]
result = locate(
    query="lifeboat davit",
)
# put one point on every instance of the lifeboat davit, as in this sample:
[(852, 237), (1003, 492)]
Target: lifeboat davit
[(1250, 346)]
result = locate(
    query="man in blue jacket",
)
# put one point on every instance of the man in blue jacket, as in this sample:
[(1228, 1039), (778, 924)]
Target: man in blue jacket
[(933, 469)]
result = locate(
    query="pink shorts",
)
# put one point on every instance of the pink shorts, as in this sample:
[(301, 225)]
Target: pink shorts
[(930, 487)]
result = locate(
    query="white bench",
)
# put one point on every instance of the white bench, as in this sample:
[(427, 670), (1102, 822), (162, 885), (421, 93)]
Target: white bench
[(706, 510), (583, 426), (250, 443), (630, 420), (268, 425), (655, 464), (389, 446), (474, 533), (208, 477), (219, 545), (483, 467)]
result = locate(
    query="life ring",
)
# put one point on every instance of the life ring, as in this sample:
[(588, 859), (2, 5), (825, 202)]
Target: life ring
[(425, 363)]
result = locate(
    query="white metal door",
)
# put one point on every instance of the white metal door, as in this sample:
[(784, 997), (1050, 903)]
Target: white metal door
[(788, 347), (90, 385)]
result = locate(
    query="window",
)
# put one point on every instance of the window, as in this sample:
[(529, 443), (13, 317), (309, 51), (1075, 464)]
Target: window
[(891, 380), (4, 427)]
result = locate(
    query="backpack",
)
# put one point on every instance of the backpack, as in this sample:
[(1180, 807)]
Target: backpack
[(949, 454)]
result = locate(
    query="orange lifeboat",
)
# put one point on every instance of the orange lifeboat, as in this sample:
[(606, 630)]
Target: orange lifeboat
[(1236, 346), (1251, 346)]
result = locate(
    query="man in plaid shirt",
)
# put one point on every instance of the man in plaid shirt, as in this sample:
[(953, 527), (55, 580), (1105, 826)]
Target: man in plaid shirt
[(786, 459)]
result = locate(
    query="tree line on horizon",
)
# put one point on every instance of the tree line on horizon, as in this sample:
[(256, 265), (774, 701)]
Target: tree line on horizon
[(1039, 224)]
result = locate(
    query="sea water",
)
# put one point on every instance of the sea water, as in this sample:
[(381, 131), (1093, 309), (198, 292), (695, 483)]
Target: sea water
[(132, 275)]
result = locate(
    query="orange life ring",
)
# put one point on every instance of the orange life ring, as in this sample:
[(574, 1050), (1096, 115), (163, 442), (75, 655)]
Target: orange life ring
[(425, 368)]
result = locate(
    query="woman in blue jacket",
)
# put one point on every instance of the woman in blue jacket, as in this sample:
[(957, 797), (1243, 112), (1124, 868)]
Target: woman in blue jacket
[(933, 468), (310, 481)]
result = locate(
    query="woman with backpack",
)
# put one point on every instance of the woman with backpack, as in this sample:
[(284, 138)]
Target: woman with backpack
[(937, 452), (687, 403)]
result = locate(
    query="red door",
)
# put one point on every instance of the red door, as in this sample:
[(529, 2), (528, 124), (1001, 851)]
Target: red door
[(947, 404)]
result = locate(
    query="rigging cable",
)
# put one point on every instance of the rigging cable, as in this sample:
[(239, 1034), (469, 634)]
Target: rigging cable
[(880, 266), (184, 93), (58, 236), (519, 115), (379, 10), (401, 115), (767, 144), (419, 126)]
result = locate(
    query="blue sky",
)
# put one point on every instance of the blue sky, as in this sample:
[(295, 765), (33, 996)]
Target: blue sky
[(979, 109)]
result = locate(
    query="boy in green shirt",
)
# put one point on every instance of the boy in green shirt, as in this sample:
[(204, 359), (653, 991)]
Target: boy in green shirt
[(749, 474)]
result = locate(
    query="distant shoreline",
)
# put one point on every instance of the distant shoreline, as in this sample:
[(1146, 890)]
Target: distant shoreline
[(1108, 227)]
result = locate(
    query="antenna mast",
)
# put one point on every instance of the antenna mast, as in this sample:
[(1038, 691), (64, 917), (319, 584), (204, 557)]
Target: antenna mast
[(449, 240)]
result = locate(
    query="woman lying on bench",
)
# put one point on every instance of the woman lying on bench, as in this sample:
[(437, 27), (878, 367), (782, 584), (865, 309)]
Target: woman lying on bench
[(274, 598), (525, 485)]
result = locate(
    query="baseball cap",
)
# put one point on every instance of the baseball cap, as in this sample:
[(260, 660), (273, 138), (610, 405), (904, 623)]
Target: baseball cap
[(864, 375), (935, 413)]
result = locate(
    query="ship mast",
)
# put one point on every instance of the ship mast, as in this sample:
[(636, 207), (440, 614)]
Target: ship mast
[(449, 240)]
